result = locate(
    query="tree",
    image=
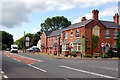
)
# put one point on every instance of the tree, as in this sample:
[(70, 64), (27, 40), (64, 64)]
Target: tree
[(55, 23), (7, 38), (118, 43), (20, 41), (35, 39), (4, 46), (95, 40)]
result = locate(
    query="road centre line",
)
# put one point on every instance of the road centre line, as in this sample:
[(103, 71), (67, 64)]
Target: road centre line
[(5, 76), (97, 74), (37, 68)]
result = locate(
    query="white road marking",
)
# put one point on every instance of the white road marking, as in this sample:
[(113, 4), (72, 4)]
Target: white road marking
[(2, 72), (104, 67), (37, 68), (16, 60), (5, 76), (97, 74)]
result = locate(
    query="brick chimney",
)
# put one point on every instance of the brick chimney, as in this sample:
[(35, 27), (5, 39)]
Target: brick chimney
[(95, 16), (83, 19), (116, 18)]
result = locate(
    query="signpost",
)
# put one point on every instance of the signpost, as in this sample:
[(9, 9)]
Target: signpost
[(102, 45)]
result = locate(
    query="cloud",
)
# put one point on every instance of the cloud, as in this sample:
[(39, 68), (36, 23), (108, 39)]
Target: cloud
[(17, 12), (110, 11)]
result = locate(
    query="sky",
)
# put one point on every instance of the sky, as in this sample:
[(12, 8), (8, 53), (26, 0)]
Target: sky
[(17, 16)]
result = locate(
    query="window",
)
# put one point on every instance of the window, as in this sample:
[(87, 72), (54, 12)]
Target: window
[(71, 34), (49, 38), (107, 34), (65, 47), (56, 38), (115, 34), (52, 38), (66, 35), (76, 47), (114, 47), (77, 33), (43, 39)]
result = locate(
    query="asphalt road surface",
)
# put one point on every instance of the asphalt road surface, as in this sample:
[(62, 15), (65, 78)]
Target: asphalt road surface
[(36, 66)]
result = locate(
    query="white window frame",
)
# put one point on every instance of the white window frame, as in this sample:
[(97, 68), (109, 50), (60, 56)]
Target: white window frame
[(77, 46), (115, 34), (71, 35), (107, 33), (66, 35), (64, 47), (77, 33)]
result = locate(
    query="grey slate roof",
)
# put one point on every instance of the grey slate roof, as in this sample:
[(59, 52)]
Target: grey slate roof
[(77, 41), (77, 25), (109, 24), (65, 42), (47, 32), (53, 33)]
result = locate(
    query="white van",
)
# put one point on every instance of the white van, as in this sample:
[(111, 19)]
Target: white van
[(14, 48)]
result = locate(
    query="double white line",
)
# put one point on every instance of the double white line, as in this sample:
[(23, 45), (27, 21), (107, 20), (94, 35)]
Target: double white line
[(3, 74)]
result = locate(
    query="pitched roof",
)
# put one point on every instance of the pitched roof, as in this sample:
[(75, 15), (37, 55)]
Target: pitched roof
[(47, 32), (53, 33), (109, 24), (77, 25)]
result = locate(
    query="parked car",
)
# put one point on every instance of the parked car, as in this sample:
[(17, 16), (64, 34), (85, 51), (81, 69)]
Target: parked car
[(34, 49), (8, 49)]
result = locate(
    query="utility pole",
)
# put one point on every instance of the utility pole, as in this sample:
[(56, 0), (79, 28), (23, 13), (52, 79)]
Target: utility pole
[(23, 42)]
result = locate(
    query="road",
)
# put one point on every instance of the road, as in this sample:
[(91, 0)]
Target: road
[(37, 66)]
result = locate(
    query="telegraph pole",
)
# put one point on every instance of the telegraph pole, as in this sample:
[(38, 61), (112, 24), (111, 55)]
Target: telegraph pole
[(23, 41)]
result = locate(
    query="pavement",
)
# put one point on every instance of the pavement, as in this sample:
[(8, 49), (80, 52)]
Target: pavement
[(30, 66)]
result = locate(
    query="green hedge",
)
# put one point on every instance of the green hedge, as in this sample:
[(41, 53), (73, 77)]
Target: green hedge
[(88, 56), (105, 56)]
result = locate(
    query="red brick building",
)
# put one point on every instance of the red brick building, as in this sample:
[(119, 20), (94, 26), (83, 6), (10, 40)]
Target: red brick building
[(72, 38)]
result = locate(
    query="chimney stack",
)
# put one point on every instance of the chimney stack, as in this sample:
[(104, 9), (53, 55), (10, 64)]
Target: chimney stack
[(95, 16), (83, 19), (116, 18)]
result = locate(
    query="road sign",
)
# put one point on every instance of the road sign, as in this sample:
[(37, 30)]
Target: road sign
[(102, 44), (27, 38), (27, 44)]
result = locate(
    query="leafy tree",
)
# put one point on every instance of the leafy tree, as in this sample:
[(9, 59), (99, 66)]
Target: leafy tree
[(118, 43), (35, 39), (4, 46), (21, 41), (55, 23), (7, 38), (95, 40)]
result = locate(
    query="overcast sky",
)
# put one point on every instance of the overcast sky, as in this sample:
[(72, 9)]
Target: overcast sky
[(27, 15)]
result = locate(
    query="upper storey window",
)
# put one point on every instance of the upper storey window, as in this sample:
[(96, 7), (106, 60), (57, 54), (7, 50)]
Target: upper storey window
[(107, 34)]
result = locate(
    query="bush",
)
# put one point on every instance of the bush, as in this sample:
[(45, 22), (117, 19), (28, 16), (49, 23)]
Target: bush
[(88, 56), (105, 56), (74, 54), (4, 46)]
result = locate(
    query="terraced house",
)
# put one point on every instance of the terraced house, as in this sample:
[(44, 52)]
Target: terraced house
[(73, 37)]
